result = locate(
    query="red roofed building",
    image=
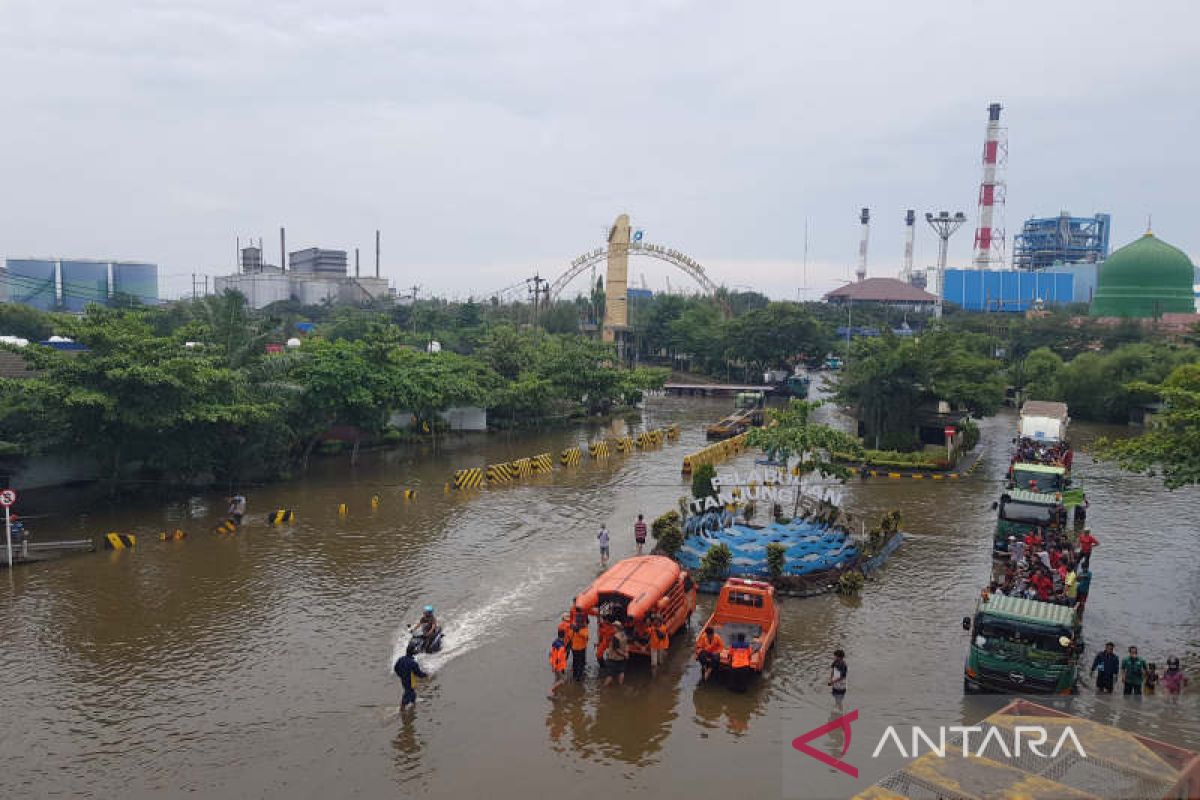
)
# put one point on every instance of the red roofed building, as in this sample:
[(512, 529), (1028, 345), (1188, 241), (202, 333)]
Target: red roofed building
[(884, 292)]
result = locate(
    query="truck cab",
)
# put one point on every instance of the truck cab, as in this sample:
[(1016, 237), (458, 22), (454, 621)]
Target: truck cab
[(1021, 646)]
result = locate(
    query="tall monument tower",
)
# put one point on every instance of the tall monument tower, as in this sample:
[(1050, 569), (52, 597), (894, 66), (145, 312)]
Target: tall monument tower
[(616, 283)]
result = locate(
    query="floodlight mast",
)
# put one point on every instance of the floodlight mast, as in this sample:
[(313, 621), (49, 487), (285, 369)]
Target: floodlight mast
[(944, 225)]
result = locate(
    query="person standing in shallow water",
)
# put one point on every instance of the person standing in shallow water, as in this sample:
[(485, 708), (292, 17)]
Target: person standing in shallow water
[(406, 667), (837, 675), (639, 534), (602, 537)]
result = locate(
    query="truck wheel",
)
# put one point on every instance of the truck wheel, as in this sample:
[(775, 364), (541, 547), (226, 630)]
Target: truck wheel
[(968, 687)]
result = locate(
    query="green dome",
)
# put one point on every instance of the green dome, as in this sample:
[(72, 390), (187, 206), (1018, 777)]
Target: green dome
[(1145, 278)]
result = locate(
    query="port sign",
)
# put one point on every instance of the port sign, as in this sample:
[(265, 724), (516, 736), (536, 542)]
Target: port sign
[(7, 498)]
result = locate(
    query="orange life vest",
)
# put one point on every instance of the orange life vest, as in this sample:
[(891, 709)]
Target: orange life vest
[(707, 645), (564, 629), (579, 639), (658, 638), (739, 657), (604, 633), (558, 658)]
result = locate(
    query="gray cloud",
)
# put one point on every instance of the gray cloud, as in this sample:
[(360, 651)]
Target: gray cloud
[(488, 140)]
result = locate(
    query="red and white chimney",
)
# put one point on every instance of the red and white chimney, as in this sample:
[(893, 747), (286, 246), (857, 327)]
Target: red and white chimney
[(989, 239)]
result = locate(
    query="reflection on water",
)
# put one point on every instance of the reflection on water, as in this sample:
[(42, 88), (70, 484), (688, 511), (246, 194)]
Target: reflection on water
[(259, 664)]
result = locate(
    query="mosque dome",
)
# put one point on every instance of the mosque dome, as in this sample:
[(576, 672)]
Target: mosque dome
[(1145, 278)]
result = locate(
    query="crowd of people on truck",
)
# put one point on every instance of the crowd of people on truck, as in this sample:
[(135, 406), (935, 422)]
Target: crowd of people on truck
[(1137, 676), (1044, 565), (1033, 451)]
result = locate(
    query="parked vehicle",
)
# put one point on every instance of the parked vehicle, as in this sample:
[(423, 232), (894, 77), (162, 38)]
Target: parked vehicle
[(746, 607), (629, 590)]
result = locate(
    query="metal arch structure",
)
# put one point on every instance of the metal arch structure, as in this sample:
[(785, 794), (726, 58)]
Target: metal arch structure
[(673, 257)]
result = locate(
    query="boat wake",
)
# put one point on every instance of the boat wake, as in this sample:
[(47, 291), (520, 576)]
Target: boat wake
[(468, 629)]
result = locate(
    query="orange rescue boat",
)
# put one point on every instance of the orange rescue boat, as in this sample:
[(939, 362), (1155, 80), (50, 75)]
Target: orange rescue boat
[(633, 588)]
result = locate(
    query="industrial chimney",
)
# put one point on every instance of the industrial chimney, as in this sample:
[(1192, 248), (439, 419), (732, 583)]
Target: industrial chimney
[(865, 219), (989, 240), (910, 219)]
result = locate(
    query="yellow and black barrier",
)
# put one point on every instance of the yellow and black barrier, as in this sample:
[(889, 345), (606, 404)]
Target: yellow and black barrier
[(283, 516), (119, 541), (500, 473), (916, 475), (226, 526), (172, 536), (570, 457), (409, 494), (624, 444), (375, 501), (716, 452), (598, 449), (543, 463), (468, 478), (523, 467), (343, 509), (672, 432)]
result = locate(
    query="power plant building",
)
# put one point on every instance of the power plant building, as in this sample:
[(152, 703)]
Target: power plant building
[(1046, 241), (315, 276), (51, 284)]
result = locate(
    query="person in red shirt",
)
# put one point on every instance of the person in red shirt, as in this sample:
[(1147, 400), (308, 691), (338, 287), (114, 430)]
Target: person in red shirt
[(1043, 585), (1086, 543), (639, 534)]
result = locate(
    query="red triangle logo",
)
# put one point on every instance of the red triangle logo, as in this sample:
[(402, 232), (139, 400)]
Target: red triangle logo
[(801, 743)]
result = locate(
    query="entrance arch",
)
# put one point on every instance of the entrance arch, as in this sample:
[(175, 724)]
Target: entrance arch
[(673, 257)]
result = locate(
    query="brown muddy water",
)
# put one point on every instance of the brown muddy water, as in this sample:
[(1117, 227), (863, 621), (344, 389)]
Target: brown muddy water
[(259, 665)]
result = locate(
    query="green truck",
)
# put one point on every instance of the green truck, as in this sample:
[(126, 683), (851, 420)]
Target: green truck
[(1019, 511), (1021, 646)]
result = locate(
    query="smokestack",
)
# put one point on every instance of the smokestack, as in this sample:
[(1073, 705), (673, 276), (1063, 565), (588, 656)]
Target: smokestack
[(988, 238), (238, 262), (376, 252), (910, 219), (356, 262), (865, 219), (282, 250)]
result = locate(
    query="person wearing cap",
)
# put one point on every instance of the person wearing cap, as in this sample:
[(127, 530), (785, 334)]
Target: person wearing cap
[(616, 656)]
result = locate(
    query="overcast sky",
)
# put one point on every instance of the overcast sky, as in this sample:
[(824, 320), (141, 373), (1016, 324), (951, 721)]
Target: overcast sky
[(490, 140)]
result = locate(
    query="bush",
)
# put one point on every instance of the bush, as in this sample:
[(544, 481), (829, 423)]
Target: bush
[(716, 563), (970, 433), (702, 481), (850, 583), (663, 523), (776, 558), (670, 540), (749, 510)]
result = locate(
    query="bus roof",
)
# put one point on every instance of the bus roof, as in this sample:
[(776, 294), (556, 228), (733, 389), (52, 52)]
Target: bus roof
[(1022, 610)]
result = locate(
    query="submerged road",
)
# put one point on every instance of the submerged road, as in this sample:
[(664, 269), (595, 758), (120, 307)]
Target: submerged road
[(259, 665)]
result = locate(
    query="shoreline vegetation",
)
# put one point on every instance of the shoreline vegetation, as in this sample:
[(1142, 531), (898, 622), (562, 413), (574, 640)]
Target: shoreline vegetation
[(209, 392)]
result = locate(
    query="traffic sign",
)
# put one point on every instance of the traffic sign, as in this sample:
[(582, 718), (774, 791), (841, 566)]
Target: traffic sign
[(7, 498), (950, 430)]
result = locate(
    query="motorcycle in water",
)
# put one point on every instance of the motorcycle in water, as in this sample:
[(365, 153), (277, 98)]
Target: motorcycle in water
[(422, 643)]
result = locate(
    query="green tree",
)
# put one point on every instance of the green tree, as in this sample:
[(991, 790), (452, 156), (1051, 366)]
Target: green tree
[(1171, 445), (790, 432), (1035, 375), (17, 319), (780, 333), (702, 481)]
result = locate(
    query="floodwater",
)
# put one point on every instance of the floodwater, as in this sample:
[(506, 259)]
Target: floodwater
[(259, 664)]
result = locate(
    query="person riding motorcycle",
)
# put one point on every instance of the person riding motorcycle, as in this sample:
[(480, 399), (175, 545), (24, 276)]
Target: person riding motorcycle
[(428, 624)]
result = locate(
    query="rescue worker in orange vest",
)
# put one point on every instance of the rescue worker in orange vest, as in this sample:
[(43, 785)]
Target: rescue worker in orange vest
[(604, 634), (558, 663), (579, 643), (739, 662), (659, 642), (708, 652)]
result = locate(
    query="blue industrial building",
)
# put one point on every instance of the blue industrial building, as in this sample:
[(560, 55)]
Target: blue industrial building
[(1044, 241), (1008, 290), (52, 284)]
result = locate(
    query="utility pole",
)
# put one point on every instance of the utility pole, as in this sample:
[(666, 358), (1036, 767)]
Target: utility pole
[(944, 225), (536, 291)]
